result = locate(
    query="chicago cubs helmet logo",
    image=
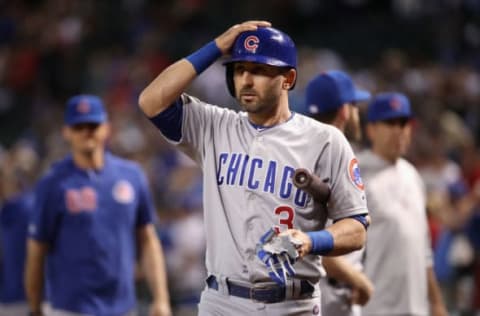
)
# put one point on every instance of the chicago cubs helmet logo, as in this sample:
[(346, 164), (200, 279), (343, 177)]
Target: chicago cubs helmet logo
[(354, 174), (123, 192), (83, 106), (251, 43)]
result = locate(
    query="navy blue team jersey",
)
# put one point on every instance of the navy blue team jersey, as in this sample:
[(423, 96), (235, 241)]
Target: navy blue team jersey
[(14, 217), (89, 219)]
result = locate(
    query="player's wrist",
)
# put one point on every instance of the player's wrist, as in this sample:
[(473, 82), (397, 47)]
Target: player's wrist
[(322, 242), (204, 57)]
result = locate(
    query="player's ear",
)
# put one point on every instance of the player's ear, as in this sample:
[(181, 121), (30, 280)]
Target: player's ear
[(108, 128), (66, 132), (370, 130), (290, 78), (344, 112)]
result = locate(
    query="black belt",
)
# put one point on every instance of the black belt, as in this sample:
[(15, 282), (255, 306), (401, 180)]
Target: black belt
[(266, 294)]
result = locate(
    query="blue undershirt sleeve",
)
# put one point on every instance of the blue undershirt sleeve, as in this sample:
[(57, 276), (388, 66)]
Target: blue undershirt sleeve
[(169, 122), (362, 218)]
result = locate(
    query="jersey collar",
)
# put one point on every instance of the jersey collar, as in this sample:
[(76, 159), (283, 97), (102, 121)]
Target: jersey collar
[(90, 172), (260, 128)]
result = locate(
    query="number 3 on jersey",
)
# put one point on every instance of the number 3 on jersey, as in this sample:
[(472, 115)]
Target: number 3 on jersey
[(286, 215)]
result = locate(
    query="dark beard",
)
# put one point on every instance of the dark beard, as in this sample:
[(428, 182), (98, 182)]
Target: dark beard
[(264, 105)]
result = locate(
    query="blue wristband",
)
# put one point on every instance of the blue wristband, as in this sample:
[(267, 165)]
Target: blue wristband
[(204, 57), (322, 242)]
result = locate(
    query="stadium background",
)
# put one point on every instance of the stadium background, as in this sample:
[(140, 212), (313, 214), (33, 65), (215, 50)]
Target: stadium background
[(428, 49)]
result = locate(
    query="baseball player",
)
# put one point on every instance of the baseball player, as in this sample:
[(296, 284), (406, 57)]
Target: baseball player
[(14, 216), (91, 210), (398, 253), (331, 98), (248, 159)]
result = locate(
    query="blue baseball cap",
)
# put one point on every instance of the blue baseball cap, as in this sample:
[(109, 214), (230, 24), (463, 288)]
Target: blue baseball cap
[(85, 108), (330, 90), (389, 105)]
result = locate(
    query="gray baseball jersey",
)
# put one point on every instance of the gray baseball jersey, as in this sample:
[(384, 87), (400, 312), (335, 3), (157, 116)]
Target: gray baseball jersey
[(248, 187), (398, 248)]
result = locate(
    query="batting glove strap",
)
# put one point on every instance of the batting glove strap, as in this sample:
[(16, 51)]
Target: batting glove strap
[(204, 57), (322, 242)]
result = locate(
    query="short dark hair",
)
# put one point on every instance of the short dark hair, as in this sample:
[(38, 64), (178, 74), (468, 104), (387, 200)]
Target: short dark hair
[(326, 117)]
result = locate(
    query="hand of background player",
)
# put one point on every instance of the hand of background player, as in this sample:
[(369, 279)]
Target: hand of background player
[(362, 289), (160, 309), (278, 253), (226, 40), (438, 310)]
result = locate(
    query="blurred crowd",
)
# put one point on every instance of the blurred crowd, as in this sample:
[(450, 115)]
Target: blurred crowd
[(50, 50)]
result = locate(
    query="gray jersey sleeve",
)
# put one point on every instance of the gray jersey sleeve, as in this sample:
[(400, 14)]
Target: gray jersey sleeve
[(347, 189), (198, 124)]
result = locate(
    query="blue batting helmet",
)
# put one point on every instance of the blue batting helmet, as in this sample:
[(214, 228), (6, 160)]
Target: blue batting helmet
[(266, 45)]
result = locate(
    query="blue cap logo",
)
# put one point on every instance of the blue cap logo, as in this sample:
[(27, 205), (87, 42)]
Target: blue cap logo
[(387, 106), (395, 104), (85, 109), (83, 106)]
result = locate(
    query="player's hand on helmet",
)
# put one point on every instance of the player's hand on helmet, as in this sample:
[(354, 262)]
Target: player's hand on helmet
[(278, 253), (226, 40)]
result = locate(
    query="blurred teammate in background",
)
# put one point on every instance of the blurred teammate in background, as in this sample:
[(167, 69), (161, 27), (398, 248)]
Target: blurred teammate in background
[(93, 217), (331, 98), (17, 172), (398, 253)]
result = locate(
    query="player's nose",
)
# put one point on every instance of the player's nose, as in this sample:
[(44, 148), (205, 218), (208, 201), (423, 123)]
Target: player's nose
[(246, 77)]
